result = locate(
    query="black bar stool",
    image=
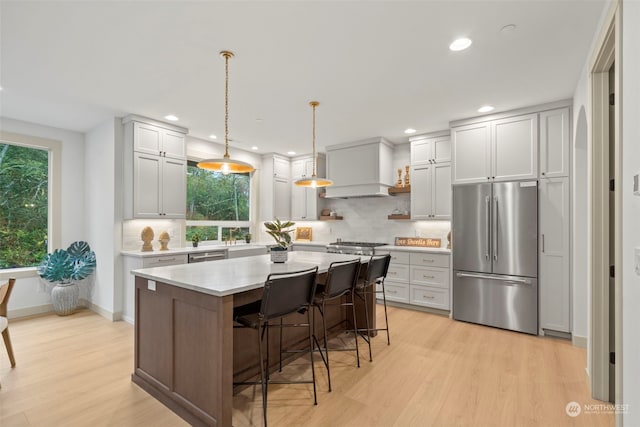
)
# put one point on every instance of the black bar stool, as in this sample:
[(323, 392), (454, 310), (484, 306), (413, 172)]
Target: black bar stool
[(284, 294), (341, 281), (376, 273)]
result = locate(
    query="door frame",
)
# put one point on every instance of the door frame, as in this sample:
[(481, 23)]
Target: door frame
[(607, 52)]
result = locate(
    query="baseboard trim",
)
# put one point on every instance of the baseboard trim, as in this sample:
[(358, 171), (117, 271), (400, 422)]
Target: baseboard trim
[(109, 315), (129, 320), (30, 311), (579, 341)]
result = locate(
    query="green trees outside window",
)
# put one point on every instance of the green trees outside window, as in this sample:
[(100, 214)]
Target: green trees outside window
[(219, 203), (24, 197)]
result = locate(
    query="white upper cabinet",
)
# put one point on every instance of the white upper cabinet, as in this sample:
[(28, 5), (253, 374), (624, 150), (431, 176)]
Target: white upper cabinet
[(275, 188), (155, 169), (498, 150), (430, 150), (471, 153), (156, 140), (514, 151), (305, 200), (554, 143), (431, 191)]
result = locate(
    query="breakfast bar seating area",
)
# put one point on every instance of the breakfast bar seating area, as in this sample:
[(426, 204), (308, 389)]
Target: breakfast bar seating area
[(188, 353)]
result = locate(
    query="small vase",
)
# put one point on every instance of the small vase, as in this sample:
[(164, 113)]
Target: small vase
[(64, 298), (279, 255)]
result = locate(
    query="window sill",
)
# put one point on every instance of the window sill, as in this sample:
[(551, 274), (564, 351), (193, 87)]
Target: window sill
[(17, 273)]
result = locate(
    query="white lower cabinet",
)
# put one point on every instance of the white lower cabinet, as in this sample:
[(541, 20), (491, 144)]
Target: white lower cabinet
[(554, 275), (418, 277)]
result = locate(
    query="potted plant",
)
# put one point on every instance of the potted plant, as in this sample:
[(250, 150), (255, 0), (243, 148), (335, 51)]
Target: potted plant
[(281, 233), (195, 238), (247, 238), (64, 268)]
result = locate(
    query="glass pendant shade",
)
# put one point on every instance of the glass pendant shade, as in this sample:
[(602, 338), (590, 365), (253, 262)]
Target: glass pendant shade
[(226, 165), (314, 181)]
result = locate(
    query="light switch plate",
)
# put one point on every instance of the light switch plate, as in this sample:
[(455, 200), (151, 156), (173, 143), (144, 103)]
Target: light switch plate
[(637, 260), (151, 285)]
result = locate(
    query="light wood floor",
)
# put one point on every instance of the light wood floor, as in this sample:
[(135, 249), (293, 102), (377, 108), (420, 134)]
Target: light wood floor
[(75, 371)]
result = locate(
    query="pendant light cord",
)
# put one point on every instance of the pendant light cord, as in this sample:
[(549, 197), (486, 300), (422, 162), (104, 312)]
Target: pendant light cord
[(226, 55), (314, 104)]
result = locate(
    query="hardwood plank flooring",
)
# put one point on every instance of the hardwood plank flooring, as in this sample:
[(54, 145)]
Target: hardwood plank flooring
[(75, 371)]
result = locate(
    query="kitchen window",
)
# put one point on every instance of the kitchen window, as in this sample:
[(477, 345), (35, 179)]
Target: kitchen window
[(218, 205), (29, 206)]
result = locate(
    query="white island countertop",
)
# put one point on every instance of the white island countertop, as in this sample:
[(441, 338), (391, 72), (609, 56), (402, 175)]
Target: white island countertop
[(231, 276), (191, 250)]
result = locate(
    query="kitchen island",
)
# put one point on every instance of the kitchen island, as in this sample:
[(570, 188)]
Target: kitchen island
[(187, 353)]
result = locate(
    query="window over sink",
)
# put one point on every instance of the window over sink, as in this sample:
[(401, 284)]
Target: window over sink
[(218, 205)]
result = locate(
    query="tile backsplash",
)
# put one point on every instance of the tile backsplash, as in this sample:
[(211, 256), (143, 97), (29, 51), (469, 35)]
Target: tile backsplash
[(365, 219), (131, 230)]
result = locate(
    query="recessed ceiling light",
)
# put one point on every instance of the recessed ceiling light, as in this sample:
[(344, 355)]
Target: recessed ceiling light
[(259, 120), (254, 148), (409, 131), (508, 28), (291, 153), (486, 108), (171, 117), (212, 136), (460, 44)]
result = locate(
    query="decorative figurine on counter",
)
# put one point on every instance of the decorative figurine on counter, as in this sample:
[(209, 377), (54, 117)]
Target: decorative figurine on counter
[(147, 237), (399, 183), (164, 241), (407, 183)]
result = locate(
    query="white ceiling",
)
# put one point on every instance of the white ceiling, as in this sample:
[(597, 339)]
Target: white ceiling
[(375, 67)]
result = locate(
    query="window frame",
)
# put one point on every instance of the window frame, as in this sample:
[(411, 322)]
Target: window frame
[(220, 223), (54, 187)]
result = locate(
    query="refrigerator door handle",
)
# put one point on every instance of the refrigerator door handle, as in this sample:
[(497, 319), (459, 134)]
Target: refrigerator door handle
[(495, 229), (487, 204), (507, 279)]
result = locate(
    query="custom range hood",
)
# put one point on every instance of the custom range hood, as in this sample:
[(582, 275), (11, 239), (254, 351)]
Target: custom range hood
[(360, 169)]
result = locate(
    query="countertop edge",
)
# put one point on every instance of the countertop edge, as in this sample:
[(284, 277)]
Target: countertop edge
[(415, 249)]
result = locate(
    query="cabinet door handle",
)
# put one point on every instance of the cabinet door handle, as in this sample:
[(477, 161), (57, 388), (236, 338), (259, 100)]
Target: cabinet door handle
[(392, 292), (543, 173), (426, 297), (392, 272), (428, 277), (428, 260), (543, 243), (167, 259)]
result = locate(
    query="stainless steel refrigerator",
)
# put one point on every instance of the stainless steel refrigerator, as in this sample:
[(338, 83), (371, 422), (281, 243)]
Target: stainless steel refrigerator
[(495, 254)]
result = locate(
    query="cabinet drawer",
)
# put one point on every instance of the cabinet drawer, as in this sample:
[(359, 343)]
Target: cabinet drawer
[(431, 276), (430, 297), (398, 273), (161, 261), (395, 291), (430, 260), (397, 257)]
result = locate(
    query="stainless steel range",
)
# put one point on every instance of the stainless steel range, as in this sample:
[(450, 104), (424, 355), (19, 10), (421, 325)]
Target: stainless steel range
[(353, 248)]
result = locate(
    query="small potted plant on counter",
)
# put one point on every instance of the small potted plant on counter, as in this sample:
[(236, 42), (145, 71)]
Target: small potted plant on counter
[(195, 238), (281, 233), (247, 238)]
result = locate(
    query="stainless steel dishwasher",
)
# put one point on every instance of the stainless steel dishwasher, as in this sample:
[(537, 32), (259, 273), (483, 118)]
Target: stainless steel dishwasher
[(214, 255)]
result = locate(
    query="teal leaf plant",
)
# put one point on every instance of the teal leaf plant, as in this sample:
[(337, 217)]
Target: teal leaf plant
[(281, 232), (63, 266)]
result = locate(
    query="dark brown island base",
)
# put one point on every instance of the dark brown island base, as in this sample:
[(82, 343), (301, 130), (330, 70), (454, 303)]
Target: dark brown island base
[(187, 353)]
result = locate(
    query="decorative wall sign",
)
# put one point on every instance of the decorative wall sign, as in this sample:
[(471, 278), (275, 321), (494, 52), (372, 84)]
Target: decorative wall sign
[(303, 234), (419, 242)]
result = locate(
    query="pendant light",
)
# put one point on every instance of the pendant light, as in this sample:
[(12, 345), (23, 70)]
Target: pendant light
[(314, 181), (225, 164)]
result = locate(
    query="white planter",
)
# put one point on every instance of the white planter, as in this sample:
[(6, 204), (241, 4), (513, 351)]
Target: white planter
[(279, 255), (64, 298)]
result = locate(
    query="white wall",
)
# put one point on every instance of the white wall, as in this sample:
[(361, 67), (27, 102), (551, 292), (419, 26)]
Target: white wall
[(630, 209), (102, 229), (27, 296), (579, 207)]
